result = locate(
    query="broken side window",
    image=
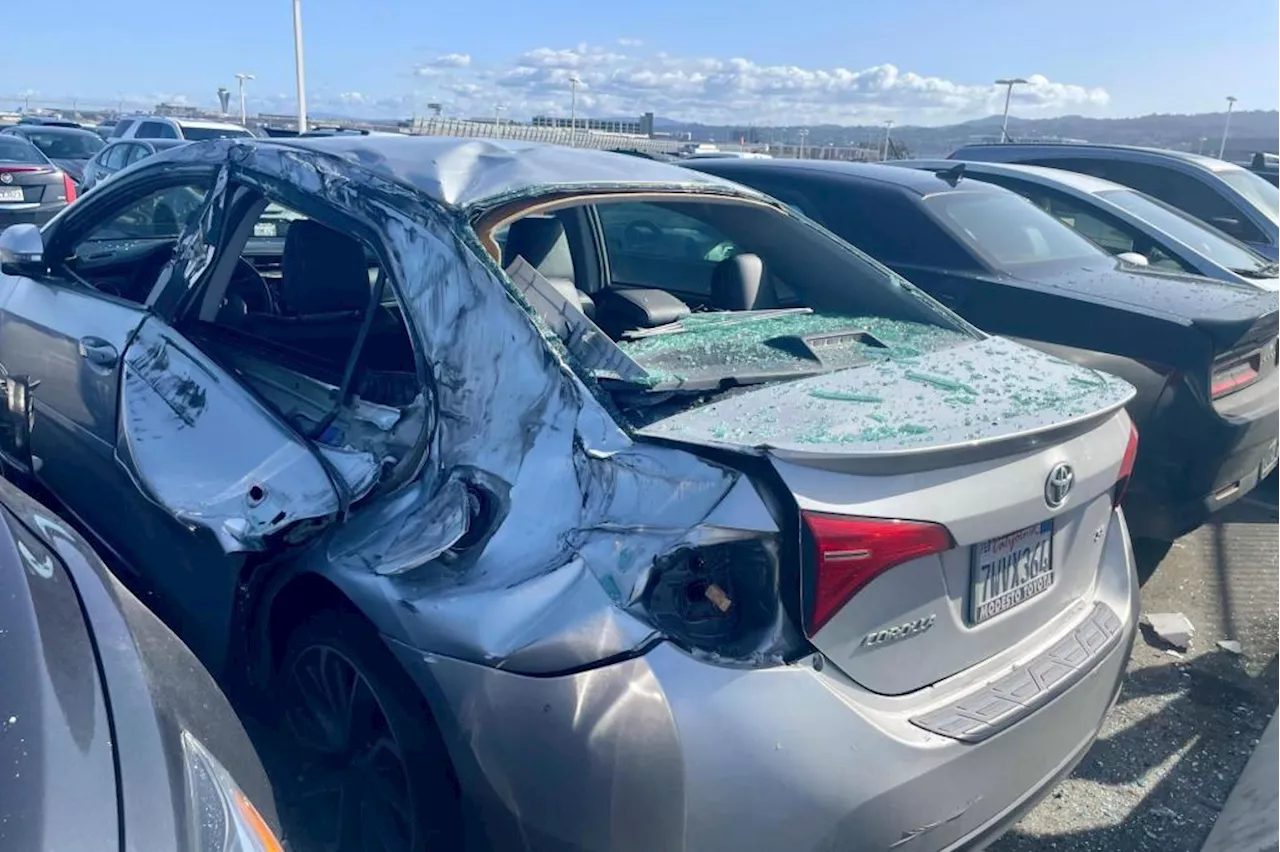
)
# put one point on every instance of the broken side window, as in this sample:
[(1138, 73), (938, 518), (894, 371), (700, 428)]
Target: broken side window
[(307, 317)]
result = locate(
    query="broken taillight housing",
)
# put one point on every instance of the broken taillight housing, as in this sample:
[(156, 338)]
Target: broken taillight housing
[(1126, 466), (1236, 375), (850, 552)]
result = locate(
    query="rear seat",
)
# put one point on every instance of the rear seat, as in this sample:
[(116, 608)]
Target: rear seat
[(542, 242)]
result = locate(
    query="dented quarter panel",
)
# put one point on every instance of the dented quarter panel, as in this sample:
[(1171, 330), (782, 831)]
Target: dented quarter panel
[(579, 510)]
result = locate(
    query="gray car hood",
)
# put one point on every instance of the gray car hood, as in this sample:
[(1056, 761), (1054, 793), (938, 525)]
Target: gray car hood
[(977, 392)]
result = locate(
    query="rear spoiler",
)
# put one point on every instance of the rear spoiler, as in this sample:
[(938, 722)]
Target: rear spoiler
[(1244, 325)]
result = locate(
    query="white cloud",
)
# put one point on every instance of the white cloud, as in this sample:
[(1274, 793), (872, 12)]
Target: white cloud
[(626, 80)]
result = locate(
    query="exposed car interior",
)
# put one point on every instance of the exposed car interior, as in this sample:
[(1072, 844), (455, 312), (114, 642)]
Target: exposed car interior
[(701, 295)]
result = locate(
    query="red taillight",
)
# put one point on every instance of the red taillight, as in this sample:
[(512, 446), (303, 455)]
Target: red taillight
[(1235, 376), (1126, 466), (69, 187), (851, 552), (15, 169)]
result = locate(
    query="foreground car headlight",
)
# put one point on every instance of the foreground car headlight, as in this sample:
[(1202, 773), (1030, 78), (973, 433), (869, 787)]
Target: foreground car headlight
[(222, 817)]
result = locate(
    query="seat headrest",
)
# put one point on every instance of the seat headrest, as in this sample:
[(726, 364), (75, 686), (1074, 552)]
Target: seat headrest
[(739, 283), (322, 271), (541, 241)]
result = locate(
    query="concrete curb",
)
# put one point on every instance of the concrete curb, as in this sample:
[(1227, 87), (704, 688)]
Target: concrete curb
[(1250, 820)]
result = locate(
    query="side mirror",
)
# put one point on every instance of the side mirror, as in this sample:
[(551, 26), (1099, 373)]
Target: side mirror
[(1227, 224), (22, 251), (1133, 258)]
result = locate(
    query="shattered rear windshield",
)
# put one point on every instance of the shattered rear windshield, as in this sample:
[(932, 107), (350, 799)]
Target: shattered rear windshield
[(792, 344)]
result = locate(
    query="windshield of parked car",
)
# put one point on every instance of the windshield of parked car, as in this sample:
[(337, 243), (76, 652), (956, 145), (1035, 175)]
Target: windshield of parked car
[(1260, 193), (200, 134), (66, 146), (704, 295), (1010, 231), (1188, 230), (15, 150)]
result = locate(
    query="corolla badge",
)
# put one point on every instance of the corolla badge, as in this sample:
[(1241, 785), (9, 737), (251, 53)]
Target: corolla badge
[(1058, 486), (899, 631)]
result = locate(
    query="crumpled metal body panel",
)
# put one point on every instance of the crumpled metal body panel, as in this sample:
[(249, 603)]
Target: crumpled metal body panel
[(582, 510), (175, 409)]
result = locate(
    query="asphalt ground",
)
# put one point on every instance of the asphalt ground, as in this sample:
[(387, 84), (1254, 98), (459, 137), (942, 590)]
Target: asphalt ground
[(1186, 723)]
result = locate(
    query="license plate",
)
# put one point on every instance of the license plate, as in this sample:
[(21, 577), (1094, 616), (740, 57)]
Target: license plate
[(264, 229), (1010, 570), (10, 193), (1268, 461)]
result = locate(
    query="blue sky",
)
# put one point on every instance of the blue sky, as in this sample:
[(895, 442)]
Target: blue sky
[(746, 61)]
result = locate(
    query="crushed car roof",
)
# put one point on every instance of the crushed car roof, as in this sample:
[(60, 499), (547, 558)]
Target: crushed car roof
[(463, 172)]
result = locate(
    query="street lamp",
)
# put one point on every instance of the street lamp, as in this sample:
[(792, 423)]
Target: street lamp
[(887, 125), (497, 118), (241, 78), (1008, 83), (298, 71), (1222, 149), (804, 133), (574, 82)]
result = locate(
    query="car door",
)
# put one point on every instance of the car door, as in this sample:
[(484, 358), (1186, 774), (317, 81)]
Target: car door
[(173, 466)]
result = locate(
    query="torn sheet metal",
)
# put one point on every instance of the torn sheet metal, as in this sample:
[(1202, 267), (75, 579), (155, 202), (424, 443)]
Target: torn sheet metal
[(573, 512), (175, 408)]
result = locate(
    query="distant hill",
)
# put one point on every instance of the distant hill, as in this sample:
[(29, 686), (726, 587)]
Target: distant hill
[(1251, 130)]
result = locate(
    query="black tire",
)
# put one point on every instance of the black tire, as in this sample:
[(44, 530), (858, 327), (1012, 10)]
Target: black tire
[(386, 784)]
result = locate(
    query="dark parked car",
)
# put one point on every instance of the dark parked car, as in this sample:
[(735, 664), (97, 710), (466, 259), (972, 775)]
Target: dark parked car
[(32, 188), (1266, 166), (558, 583), (109, 727), (1202, 353), (119, 155), (68, 148), (1125, 222), (1231, 198)]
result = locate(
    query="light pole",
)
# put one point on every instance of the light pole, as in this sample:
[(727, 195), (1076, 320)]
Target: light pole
[(804, 133), (497, 118), (241, 78), (887, 126), (1008, 83), (574, 82), (1226, 128), (298, 70)]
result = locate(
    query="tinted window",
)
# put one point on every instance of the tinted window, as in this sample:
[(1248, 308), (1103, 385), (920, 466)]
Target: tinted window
[(1186, 230), (1261, 194), (651, 245), (16, 150), (1184, 191), (1009, 230), (887, 224), (136, 153), (115, 157), (199, 134), (121, 128), (155, 130), (66, 146)]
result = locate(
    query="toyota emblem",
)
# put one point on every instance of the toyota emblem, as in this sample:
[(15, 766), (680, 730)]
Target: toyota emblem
[(5, 177), (1058, 485)]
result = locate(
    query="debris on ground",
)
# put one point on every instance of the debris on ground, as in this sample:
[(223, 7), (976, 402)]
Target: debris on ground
[(1173, 628), (1231, 646)]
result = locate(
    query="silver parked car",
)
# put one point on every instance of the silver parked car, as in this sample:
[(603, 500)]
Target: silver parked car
[(1124, 221), (569, 500)]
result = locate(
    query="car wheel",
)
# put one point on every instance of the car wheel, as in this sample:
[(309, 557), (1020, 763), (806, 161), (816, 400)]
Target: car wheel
[(366, 768)]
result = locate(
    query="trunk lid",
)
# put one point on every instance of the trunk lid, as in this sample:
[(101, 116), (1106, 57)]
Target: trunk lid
[(966, 437)]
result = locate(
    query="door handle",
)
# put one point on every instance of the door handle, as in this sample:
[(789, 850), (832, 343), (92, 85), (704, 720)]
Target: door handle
[(98, 352)]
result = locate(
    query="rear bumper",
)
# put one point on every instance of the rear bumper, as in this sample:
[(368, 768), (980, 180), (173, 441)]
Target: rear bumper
[(1194, 460), (669, 752), (37, 215)]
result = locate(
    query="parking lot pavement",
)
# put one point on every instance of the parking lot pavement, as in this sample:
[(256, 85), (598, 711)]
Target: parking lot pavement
[(1185, 724)]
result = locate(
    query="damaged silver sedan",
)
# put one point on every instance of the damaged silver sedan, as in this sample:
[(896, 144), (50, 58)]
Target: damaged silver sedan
[(564, 500)]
